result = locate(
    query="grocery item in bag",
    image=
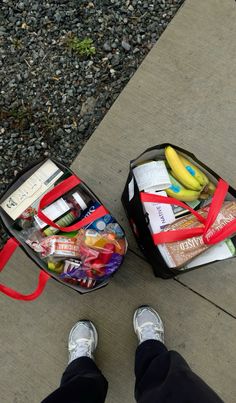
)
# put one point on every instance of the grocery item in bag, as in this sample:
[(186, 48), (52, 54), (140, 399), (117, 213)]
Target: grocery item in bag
[(178, 254)]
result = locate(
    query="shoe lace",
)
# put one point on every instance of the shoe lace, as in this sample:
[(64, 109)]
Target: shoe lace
[(151, 331), (82, 348)]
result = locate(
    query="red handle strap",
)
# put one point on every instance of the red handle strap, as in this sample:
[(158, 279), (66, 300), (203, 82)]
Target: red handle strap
[(227, 231), (57, 192), (179, 235), (216, 204), (5, 255), (43, 278), (150, 198), (6, 252)]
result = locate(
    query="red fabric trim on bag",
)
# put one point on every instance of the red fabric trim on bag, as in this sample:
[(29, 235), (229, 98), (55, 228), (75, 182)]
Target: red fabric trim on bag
[(181, 234), (98, 213), (150, 198), (176, 235), (5, 255), (227, 231), (43, 278), (7, 251), (57, 192), (216, 204)]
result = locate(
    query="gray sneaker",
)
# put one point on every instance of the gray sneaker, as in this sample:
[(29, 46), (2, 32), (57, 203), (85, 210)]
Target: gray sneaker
[(83, 340), (148, 324)]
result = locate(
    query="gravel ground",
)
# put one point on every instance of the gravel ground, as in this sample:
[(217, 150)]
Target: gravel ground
[(56, 87)]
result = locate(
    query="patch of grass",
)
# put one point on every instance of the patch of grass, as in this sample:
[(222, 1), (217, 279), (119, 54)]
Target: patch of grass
[(48, 124), (18, 118), (84, 47), (17, 43), (21, 119)]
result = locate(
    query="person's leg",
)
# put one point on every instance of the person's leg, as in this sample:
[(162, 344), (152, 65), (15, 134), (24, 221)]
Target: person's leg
[(164, 376), (82, 381)]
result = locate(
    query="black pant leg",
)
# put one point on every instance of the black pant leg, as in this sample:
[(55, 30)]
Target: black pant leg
[(82, 382), (163, 376)]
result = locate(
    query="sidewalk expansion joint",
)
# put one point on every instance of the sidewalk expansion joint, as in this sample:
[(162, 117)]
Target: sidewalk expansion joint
[(190, 289), (206, 299)]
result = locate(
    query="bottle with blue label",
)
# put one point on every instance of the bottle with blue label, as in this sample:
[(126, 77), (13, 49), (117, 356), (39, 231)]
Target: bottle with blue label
[(105, 223)]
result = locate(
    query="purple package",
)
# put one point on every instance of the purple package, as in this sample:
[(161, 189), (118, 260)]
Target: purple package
[(113, 264), (73, 269)]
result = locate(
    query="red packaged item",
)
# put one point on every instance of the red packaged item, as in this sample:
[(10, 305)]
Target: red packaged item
[(181, 252), (61, 246), (98, 267)]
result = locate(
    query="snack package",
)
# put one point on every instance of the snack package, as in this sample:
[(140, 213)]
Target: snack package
[(60, 246), (88, 255), (32, 237), (99, 239), (73, 270), (85, 257), (178, 254)]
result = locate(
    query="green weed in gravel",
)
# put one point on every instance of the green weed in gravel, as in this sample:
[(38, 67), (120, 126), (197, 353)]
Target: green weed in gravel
[(83, 47), (17, 43)]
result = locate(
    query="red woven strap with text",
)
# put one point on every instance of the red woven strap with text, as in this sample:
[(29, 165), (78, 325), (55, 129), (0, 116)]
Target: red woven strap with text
[(181, 234), (57, 192)]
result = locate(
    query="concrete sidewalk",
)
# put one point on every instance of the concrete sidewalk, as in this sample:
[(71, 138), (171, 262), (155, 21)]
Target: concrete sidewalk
[(184, 93)]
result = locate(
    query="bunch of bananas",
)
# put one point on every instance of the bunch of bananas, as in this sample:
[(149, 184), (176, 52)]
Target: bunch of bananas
[(189, 183)]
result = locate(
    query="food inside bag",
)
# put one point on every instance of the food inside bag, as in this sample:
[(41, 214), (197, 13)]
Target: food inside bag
[(171, 174), (179, 253), (85, 257)]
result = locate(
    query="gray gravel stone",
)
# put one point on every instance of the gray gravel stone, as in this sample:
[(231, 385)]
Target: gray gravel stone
[(125, 45), (88, 106), (107, 47), (81, 128)]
